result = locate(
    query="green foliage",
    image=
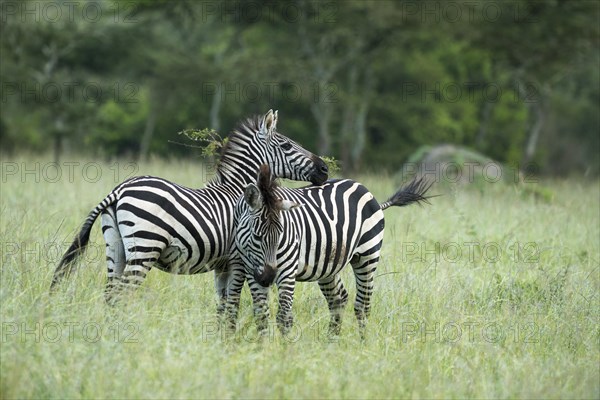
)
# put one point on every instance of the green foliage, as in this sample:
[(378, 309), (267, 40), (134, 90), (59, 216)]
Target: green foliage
[(332, 164), (119, 126), (213, 142), (538, 192), (380, 78)]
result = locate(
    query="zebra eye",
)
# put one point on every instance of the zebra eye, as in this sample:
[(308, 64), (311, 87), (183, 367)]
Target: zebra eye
[(286, 146)]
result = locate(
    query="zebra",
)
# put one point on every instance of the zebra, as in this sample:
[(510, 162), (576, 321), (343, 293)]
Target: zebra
[(149, 221), (334, 224)]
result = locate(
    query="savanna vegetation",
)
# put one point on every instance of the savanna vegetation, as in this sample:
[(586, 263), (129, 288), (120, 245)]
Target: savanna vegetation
[(492, 291)]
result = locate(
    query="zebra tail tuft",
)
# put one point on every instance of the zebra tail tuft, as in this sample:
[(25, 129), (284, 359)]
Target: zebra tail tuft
[(67, 263), (414, 192)]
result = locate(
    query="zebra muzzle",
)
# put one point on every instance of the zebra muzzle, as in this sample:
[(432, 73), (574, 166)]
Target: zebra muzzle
[(267, 276), (320, 172)]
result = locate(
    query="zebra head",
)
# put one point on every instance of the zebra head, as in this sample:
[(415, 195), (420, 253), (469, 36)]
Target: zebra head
[(263, 226), (287, 158)]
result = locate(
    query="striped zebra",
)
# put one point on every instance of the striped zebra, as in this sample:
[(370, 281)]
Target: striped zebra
[(149, 221), (332, 225)]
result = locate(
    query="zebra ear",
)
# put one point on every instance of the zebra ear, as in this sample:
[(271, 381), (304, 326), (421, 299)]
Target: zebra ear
[(274, 125), (252, 196), (268, 125), (286, 205)]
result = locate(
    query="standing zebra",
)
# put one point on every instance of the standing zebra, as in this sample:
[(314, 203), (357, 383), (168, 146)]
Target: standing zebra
[(333, 224), (148, 221)]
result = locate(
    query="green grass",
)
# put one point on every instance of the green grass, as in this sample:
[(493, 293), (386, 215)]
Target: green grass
[(490, 292)]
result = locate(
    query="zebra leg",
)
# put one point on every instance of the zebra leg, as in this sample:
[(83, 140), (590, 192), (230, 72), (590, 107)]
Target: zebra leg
[(260, 300), (222, 269), (115, 252), (221, 278), (337, 297), (285, 319), (139, 261), (364, 270), (234, 283), (232, 307), (135, 274)]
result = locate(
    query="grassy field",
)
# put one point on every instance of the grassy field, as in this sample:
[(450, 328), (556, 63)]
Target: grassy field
[(490, 292)]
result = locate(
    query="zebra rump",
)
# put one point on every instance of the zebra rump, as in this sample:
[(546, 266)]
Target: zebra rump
[(78, 246)]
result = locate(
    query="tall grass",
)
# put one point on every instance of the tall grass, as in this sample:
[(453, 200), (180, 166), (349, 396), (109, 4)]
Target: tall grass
[(489, 292)]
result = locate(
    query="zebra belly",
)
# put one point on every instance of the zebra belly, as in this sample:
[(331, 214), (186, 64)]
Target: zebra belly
[(174, 261), (179, 253), (324, 269)]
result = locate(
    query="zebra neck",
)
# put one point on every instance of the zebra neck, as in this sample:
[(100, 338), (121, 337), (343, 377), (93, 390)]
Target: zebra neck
[(239, 164), (227, 175), (234, 170)]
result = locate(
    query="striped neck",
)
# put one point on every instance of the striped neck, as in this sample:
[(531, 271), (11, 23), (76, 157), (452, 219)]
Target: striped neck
[(240, 158)]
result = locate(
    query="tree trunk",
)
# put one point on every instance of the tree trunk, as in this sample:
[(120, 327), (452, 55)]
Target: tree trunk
[(360, 121), (322, 114), (486, 112), (148, 130), (534, 134), (57, 147), (537, 112), (360, 132), (347, 127), (59, 131), (215, 110)]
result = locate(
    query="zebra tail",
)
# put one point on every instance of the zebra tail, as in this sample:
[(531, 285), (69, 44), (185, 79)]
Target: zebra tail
[(414, 192), (67, 264)]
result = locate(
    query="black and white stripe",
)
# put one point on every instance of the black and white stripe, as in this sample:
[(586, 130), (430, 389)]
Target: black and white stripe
[(149, 221), (286, 235)]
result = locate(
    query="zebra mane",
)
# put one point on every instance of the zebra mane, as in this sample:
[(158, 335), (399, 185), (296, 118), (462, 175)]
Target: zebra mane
[(240, 135), (249, 125), (268, 185)]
